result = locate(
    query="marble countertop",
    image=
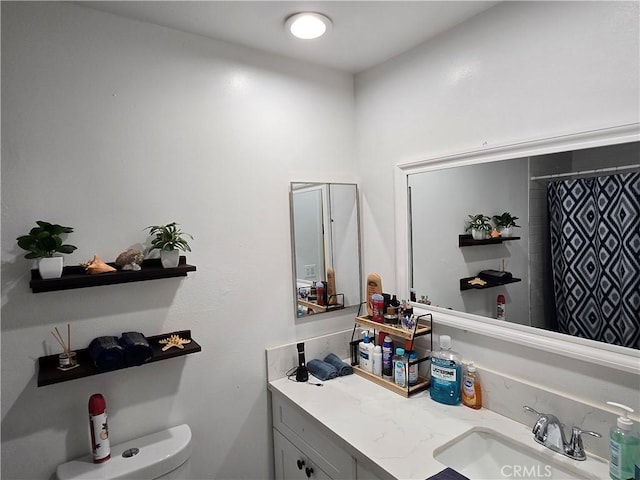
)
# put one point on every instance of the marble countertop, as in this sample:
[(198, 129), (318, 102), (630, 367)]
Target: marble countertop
[(400, 434)]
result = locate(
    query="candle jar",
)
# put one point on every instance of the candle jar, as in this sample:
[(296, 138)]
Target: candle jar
[(67, 360)]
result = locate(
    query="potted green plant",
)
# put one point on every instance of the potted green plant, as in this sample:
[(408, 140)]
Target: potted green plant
[(43, 243), (504, 223), (479, 226), (169, 239)]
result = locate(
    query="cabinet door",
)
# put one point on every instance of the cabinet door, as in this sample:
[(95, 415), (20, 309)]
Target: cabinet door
[(291, 463)]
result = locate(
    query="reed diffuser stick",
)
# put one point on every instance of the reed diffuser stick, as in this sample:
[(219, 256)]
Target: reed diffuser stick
[(68, 338), (58, 337)]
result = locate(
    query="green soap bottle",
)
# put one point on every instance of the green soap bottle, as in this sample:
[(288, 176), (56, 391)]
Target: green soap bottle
[(624, 446)]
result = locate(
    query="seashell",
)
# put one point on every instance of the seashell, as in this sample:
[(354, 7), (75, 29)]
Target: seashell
[(495, 233), (97, 266), (130, 259)]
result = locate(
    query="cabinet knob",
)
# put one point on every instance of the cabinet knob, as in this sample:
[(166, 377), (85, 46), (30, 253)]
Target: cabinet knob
[(308, 471), (300, 464)]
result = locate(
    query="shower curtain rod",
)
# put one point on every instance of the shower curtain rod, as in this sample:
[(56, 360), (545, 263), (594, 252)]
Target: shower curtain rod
[(587, 172)]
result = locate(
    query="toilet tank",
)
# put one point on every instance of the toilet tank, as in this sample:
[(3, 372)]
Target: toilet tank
[(153, 456)]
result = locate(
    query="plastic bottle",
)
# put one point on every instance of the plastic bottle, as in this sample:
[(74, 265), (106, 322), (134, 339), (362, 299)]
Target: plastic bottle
[(377, 360), (413, 369), (365, 355), (377, 301), (500, 311), (320, 293), (471, 391), (445, 374), (399, 368), (100, 447), (387, 358), (624, 446)]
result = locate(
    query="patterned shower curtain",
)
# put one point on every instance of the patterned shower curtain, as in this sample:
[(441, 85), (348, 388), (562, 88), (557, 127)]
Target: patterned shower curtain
[(595, 250)]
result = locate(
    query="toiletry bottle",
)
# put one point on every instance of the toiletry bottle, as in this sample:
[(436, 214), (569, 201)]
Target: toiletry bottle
[(413, 369), (445, 373), (387, 358), (399, 368), (624, 446), (500, 311), (471, 392), (377, 360), (320, 293), (377, 301), (100, 447), (312, 293), (365, 357)]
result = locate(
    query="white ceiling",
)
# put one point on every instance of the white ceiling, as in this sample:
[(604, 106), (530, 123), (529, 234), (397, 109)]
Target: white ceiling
[(364, 33)]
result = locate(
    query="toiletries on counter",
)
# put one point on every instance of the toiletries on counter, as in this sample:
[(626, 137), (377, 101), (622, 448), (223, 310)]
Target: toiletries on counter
[(320, 293), (377, 360), (413, 369), (366, 353), (387, 358), (377, 302), (471, 392), (624, 446), (445, 373), (399, 368)]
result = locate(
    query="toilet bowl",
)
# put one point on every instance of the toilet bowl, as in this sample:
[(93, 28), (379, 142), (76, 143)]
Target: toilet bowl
[(162, 455)]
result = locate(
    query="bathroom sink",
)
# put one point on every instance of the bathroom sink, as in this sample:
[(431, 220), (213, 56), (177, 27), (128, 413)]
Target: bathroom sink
[(486, 454)]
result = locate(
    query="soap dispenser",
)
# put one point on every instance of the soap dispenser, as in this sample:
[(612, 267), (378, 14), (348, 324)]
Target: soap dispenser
[(624, 446)]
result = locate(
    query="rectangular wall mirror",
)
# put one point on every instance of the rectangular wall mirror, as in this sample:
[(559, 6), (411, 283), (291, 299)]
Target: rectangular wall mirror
[(575, 259), (325, 241)]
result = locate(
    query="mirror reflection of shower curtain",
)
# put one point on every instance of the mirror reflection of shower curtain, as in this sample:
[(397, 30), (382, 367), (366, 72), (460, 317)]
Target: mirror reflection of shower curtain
[(595, 249)]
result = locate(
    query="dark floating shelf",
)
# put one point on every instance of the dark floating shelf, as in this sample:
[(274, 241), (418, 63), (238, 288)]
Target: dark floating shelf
[(75, 276), (48, 372), (464, 283), (468, 241)]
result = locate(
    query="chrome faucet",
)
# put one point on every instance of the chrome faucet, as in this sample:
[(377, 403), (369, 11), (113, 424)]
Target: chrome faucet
[(548, 431)]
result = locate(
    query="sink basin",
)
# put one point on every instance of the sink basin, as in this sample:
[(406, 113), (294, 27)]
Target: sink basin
[(486, 454)]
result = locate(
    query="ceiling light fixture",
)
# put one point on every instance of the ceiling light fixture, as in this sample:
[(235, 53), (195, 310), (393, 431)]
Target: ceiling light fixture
[(308, 25)]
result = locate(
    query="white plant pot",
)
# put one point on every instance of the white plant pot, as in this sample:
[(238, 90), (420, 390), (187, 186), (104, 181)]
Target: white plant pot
[(505, 232), (50, 267), (169, 258), (478, 234)]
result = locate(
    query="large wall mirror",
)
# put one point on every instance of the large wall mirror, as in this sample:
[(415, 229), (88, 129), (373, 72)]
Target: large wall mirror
[(574, 261), (325, 240)]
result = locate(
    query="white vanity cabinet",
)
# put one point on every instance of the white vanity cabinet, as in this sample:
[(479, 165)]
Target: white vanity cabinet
[(298, 438)]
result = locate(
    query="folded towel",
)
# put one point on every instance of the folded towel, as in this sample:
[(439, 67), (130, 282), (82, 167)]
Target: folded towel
[(342, 367), (448, 474), (322, 370)]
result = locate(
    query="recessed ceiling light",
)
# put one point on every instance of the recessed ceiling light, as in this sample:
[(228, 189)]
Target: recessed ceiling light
[(308, 25)]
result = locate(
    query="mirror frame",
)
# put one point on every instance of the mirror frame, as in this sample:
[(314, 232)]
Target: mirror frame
[(614, 356), (346, 308)]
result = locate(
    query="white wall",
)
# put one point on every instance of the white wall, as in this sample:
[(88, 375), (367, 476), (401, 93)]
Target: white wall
[(519, 71), (110, 125)]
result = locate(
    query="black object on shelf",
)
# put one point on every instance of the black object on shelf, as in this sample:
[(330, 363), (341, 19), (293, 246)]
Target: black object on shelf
[(468, 241), (465, 285), (48, 372), (76, 277)]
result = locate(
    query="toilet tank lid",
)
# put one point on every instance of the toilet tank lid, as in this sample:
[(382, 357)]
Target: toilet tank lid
[(158, 454)]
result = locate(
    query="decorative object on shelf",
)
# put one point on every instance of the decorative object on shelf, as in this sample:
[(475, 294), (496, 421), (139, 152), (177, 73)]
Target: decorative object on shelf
[(96, 266), (67, 359), (173, 341), (505, 223), (479, 226), (106, 353), (130, 259), (477, 281), (495, 233), (137, 350), (43, 242), (169, 240)]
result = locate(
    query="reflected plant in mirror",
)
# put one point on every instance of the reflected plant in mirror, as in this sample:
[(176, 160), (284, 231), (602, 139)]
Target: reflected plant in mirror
[(325, 241), (577, 253)]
